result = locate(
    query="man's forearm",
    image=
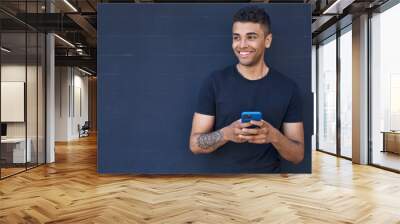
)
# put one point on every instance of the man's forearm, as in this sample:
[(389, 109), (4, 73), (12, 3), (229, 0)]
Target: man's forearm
[(207, 143), (289, 149)]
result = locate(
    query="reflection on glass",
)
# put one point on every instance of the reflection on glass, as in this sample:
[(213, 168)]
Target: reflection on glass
[(385, 88), (327, 96), (346, 94), (14, 153)]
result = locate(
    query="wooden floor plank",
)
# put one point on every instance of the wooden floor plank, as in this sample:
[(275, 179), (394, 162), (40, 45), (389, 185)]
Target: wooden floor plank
[(71, 191)]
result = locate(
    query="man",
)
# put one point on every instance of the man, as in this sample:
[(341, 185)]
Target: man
[(250, 85)]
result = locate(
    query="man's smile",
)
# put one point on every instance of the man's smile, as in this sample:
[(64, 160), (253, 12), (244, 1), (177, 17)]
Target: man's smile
[(245, 54)]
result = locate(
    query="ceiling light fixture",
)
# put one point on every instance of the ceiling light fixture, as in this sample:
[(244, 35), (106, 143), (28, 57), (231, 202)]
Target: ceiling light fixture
[(86, 72), (64, 40), (329, 9), (70, 5), (5, 50), (337, 7)]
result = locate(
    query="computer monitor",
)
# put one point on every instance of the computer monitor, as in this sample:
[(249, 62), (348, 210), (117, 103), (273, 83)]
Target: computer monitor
[(3, 129)]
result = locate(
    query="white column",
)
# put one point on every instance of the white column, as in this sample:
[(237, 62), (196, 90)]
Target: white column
[(50, 93), (360, 90)]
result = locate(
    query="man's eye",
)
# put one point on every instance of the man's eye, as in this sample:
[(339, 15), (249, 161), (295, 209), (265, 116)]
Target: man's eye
[(252, 37), (235, 38)]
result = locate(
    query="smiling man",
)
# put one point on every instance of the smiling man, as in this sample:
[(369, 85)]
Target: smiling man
[(250, 85)]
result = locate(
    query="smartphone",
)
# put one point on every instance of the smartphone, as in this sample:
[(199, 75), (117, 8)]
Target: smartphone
[(247, 116)]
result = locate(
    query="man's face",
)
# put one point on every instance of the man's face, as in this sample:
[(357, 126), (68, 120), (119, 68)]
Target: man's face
[(249, 41)]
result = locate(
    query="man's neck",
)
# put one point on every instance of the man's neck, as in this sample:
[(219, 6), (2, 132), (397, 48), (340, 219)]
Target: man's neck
[(254, 72)]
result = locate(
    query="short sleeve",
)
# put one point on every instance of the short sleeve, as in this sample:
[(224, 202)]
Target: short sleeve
[(294, 111), (206, 97)]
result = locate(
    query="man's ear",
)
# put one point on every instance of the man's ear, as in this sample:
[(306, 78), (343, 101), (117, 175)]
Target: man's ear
[(268, 40)]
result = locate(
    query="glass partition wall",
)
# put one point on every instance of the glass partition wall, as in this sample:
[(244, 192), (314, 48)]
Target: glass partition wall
[(22, 88), (334, 94)]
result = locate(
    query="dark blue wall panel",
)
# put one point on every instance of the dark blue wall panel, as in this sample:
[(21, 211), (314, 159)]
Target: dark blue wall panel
[(151, 61)]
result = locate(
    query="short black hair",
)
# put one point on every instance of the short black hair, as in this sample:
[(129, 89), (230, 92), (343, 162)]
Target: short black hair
[(253, 14)]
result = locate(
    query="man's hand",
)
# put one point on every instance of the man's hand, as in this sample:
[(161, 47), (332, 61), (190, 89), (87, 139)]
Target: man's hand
[(234, 130), (264, 134), (290, 143)]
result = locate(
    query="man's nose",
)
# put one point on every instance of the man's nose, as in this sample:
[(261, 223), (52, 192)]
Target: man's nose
[(243, 43)]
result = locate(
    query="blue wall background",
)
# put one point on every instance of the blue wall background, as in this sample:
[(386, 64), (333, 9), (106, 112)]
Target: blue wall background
[(151, 61)]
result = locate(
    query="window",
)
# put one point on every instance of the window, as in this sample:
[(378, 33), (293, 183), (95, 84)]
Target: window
[(327, 95), (346, 93), (385, 88)]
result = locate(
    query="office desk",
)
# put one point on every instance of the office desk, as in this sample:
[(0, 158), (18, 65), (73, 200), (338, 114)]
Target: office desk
[(13, 150), (391, 141)]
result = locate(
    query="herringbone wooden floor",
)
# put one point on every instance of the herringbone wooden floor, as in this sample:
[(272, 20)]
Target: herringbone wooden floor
[(70, 191)]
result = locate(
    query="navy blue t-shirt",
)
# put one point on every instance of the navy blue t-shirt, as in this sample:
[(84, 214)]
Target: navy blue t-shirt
[(226, 94)]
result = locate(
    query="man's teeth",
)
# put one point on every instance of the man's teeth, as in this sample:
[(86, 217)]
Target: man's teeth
[(244, 53)]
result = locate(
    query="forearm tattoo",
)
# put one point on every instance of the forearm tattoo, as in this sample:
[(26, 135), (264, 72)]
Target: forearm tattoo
[(205, 141)]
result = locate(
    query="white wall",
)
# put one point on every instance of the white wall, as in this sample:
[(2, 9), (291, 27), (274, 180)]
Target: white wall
[(13, 72), (71, 102), (80, 110), (62, 81)]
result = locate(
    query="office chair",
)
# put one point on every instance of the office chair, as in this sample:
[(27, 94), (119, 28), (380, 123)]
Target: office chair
[(84, 130)]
